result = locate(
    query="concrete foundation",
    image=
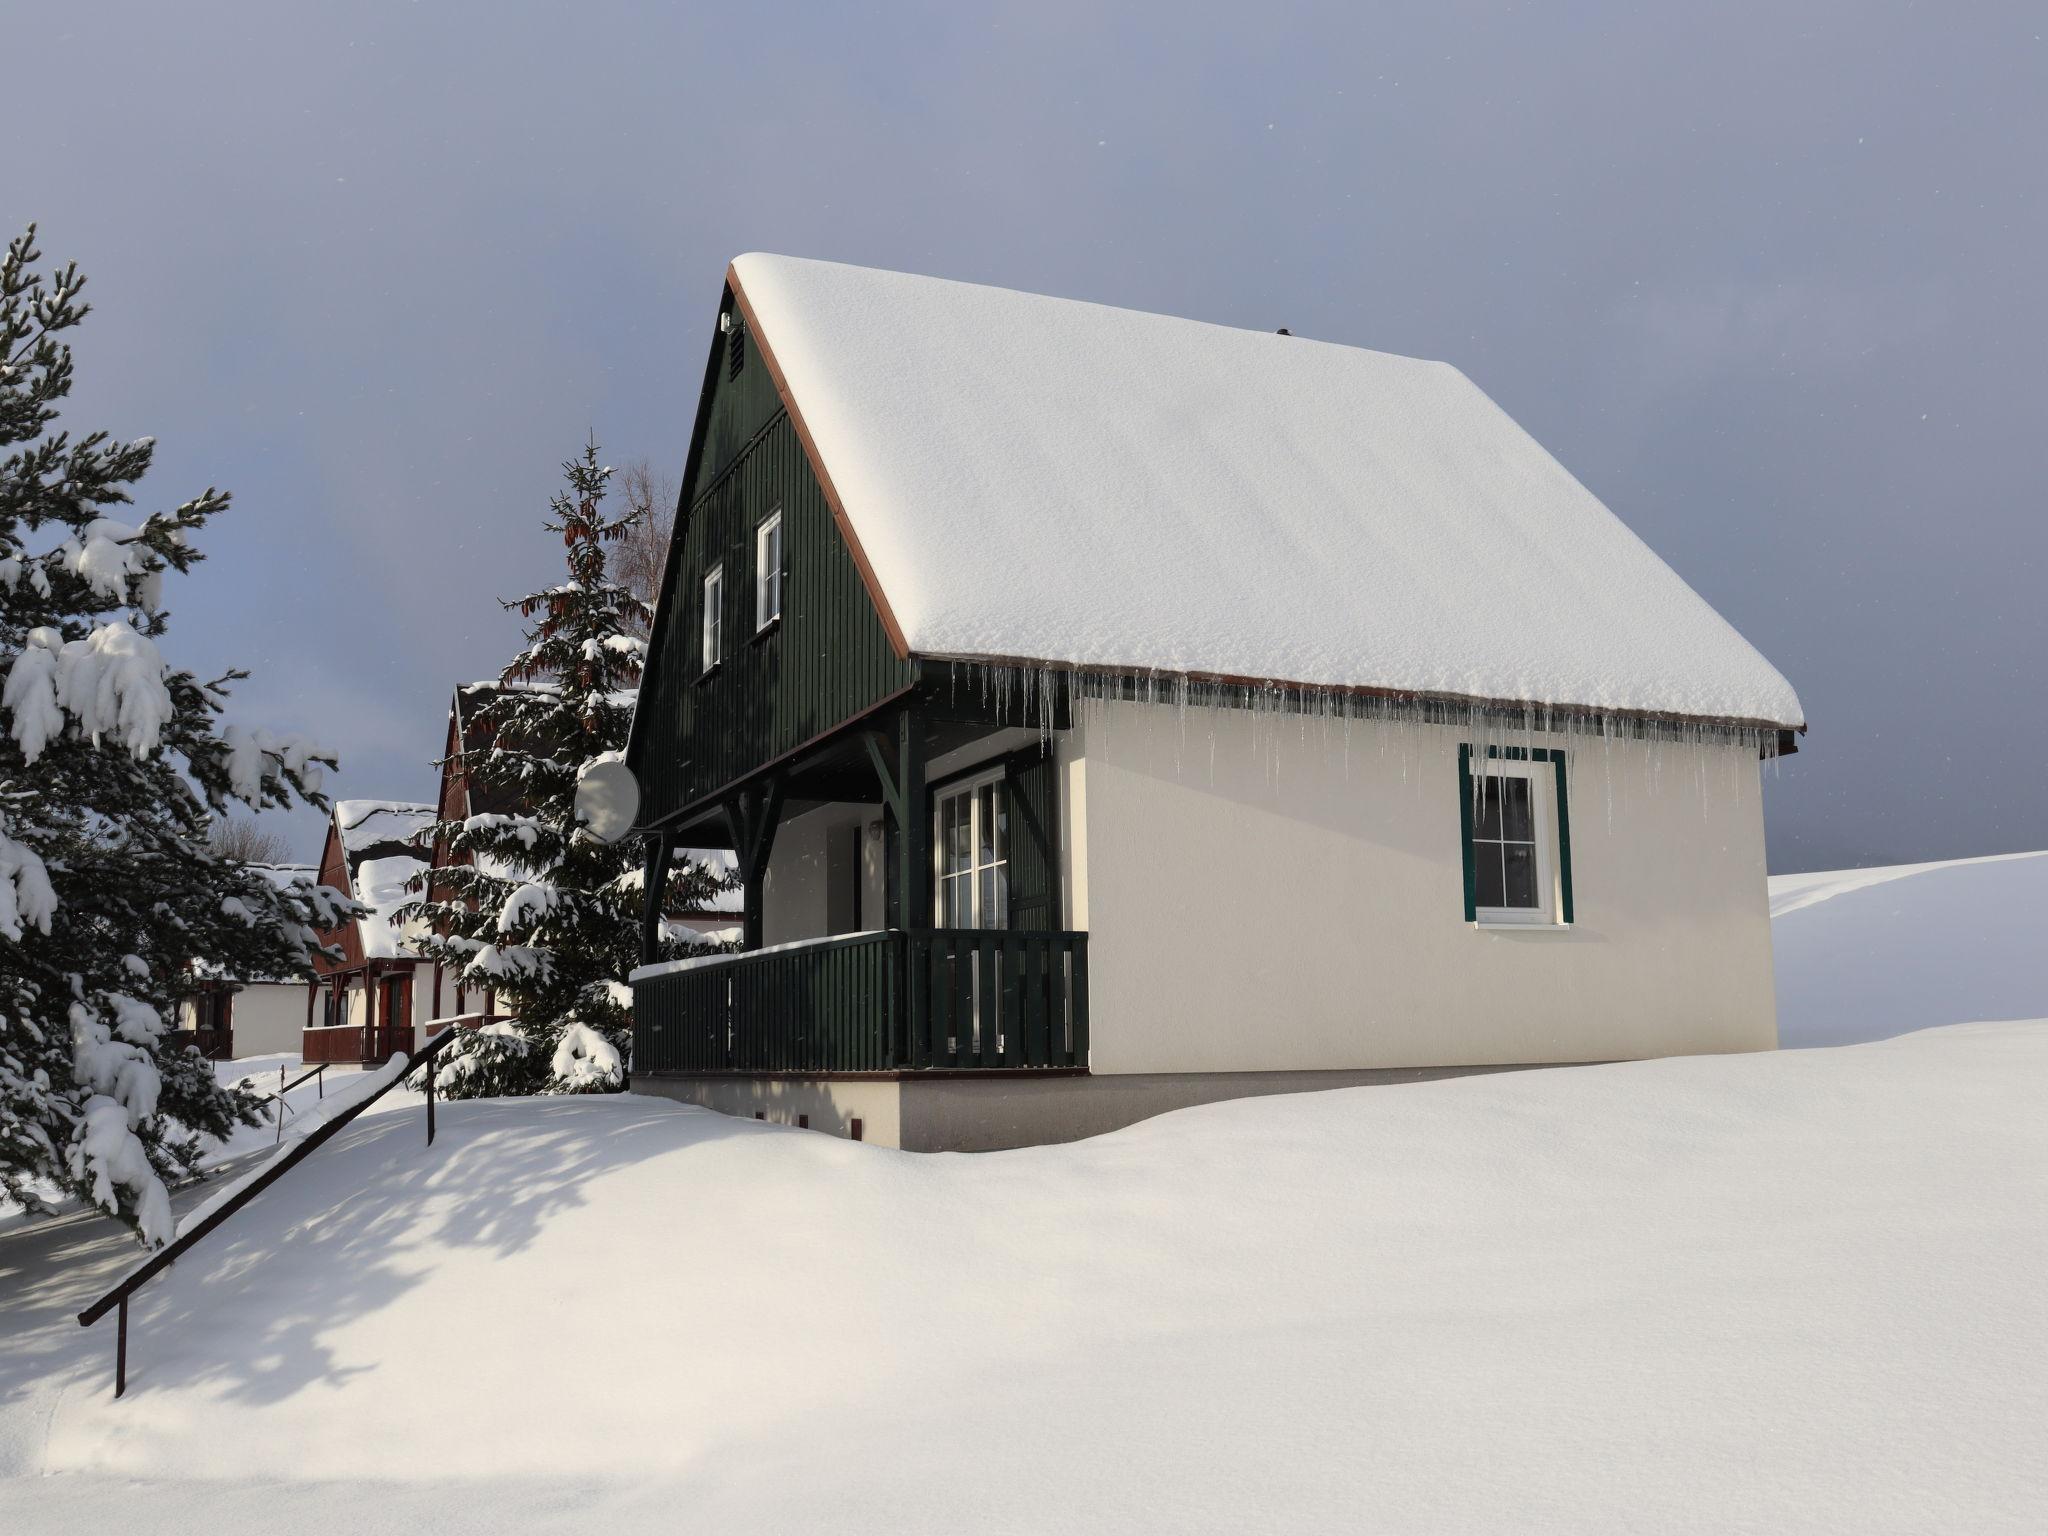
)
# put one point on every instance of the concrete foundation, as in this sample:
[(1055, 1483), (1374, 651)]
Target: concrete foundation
[(988, 1112)]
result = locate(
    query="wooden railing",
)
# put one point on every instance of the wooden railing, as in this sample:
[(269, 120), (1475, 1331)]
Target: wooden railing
[(824, 1007), (945, 999), (353, 1043), (993, 998), (331, 1042)]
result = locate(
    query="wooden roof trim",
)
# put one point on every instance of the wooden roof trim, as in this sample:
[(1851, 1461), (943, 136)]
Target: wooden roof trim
[(832, 499)]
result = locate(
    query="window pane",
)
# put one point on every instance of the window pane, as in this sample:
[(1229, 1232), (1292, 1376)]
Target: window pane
[(1517, 818), (1519, 861), (1486, 865), (991, 909), (1486, 809), (960, 835), (952, 836), (986, 796)]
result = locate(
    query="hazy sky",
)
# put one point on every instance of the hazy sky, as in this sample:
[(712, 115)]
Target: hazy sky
[(1768, 278)]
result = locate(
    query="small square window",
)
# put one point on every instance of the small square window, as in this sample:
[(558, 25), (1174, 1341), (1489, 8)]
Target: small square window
[(768, 570), (714, 616)]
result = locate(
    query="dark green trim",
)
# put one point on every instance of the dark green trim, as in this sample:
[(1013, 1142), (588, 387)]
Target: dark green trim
[(1465, 833), (1564, 843), (1555, 758)]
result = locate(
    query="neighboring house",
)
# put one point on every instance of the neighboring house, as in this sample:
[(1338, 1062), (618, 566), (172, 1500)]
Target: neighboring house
[(250, 1015), (369, 1003), (1112, 712)]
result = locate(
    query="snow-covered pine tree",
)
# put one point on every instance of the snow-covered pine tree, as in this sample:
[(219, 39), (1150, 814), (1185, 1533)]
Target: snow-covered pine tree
[(538, 911), (112, 767)]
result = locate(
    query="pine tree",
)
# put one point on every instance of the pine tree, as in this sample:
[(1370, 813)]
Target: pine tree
[(541, 913), (112, 768)]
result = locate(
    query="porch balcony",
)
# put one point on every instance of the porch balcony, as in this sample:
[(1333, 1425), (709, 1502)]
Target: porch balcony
[(366, 1045), (884, 1002)]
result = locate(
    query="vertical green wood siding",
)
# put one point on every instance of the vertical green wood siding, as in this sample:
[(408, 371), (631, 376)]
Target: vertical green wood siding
[(827, 660), (1034, 844)]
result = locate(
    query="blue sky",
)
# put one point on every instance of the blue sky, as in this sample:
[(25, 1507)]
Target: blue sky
[(1765, 277)]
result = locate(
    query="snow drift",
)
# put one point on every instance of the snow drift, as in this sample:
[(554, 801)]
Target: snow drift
[(1790, 1291), (1864, 954)]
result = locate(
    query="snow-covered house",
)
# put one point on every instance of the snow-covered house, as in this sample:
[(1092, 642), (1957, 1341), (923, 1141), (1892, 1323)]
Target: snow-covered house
[(1112, 712), (230, 1016), (369, 1003)]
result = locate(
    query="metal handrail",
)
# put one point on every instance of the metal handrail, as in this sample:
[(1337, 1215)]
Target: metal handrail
[(283, 1088), (279, 1166)]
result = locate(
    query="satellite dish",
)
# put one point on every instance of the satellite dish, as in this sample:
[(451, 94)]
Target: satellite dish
[(607, 798)]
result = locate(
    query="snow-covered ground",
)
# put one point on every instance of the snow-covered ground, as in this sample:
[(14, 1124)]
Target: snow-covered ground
[(260, 1075), (1864, 954), (1785, 1292)]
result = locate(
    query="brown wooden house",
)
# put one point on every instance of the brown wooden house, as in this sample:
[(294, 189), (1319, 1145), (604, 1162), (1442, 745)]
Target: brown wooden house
[(372, 1001)]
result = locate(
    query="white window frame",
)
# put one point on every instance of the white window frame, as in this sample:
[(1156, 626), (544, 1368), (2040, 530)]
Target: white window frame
[(970, 787), (712, 634), (1543, 816), (767, 573)]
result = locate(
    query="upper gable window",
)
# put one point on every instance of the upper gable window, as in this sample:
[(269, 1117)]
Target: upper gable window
[(1517, 836), (713, 633), (768, 570), (735, 346)]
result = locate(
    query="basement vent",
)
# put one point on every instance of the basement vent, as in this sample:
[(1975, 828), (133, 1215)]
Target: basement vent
[(856, 1128), (736, 348)]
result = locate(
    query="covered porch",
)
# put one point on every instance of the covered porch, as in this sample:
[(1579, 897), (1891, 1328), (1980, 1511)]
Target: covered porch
[(900, 914)]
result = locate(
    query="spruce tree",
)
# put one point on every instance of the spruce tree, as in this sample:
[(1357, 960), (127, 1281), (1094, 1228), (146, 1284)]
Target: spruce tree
[(539, 911), (113, 767)]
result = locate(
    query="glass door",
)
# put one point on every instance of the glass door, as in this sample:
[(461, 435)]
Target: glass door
[(971, 884), (971, 889)]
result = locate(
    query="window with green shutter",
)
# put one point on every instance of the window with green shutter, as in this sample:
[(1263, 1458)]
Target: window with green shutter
[(1514, 816)]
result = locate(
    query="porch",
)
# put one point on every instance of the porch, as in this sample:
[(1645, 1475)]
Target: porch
[(901, 909), (881, 1002)]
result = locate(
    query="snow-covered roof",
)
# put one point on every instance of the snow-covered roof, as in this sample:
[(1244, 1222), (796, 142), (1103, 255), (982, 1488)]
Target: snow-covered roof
[(1038, 479), (380, 885), (366, 823), (285, 876), (377, 843)]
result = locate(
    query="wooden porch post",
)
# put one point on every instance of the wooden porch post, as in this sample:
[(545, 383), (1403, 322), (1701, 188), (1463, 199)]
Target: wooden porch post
[(661, 848), (914, 834), (751, 817)]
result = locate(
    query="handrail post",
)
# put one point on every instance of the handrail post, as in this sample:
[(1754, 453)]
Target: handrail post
[(121, 1350), (429, 1069)]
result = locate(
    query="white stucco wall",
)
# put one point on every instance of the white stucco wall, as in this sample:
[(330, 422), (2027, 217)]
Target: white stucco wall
[(808, 890), (1272, 892), (269, 1017)]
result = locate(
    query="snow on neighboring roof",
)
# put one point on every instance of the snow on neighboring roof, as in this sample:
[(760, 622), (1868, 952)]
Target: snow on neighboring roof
[(377, 844), (722, 861), (380, 885), (1039, 479), (284, 876), (365, 823)]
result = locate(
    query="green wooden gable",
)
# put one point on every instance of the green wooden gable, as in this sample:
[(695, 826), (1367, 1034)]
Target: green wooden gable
[(827, 660)]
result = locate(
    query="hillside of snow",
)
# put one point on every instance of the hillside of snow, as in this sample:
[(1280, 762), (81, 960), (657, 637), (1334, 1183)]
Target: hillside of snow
[(1864, 954), (1792, 1291)]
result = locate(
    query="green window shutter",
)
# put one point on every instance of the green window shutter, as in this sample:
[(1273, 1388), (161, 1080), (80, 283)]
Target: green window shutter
[(1465, 833), (1030, 787)]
